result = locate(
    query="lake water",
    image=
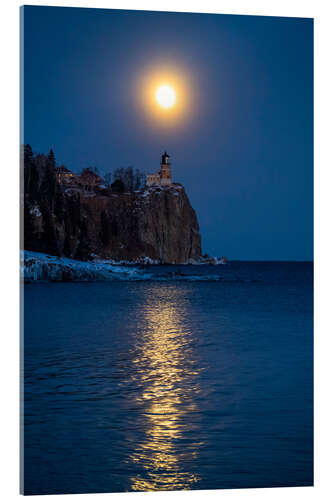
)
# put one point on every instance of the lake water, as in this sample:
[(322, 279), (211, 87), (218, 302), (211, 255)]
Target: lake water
[(174, 384)]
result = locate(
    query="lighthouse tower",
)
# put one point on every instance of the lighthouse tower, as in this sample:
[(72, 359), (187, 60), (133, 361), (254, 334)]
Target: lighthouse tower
[(165, 172), (163, 177)]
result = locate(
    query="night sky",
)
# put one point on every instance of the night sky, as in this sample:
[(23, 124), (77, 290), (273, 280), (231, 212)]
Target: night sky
[(243, 147)]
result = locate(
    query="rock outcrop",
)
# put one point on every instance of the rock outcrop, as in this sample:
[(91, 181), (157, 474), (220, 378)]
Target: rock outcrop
[(155, 222)]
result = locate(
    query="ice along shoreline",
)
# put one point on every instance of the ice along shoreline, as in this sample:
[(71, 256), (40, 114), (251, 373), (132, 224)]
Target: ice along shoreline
[(41, 267)]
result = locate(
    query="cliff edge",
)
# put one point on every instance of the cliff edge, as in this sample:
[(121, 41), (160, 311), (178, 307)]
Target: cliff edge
[(155, 222)]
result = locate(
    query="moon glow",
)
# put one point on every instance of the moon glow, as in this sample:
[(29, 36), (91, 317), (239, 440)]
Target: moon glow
[(165, 96)]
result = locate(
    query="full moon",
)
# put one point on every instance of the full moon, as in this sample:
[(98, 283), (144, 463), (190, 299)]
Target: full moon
[(165, 96)]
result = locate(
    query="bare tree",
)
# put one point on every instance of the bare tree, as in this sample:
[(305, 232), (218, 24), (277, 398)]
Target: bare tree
[(107, 179)]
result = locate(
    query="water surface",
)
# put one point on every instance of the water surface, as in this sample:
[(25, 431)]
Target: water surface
[(175, 384)]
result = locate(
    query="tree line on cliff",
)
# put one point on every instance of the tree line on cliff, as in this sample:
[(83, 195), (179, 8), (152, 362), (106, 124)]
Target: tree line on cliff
[(44, 195), (122, 179)]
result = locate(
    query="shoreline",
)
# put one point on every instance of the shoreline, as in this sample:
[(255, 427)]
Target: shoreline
[(41, 267)]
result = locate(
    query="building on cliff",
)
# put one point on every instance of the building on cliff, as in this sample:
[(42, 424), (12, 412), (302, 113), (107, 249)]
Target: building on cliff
[(163, 177), (64, 176), (89, 180)]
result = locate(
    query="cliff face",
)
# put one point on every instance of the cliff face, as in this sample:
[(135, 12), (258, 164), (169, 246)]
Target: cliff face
[(155, 222)]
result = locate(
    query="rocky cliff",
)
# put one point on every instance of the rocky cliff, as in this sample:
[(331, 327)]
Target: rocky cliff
[(158, 223)]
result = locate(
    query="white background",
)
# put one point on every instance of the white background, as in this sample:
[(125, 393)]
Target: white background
[(322, 11)]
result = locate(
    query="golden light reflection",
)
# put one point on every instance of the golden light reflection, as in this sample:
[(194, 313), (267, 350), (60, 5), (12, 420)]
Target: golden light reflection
[(167, 374)]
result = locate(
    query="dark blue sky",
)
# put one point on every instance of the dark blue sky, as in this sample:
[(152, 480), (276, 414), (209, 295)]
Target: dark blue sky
[(245, 152)]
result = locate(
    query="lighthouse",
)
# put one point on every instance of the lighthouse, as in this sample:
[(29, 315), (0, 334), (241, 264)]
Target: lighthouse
[(163, 177), (165, 172)]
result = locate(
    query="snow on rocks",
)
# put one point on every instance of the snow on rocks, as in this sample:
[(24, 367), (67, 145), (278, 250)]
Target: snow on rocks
[(35, 211), (37, 266), (40, 267)]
